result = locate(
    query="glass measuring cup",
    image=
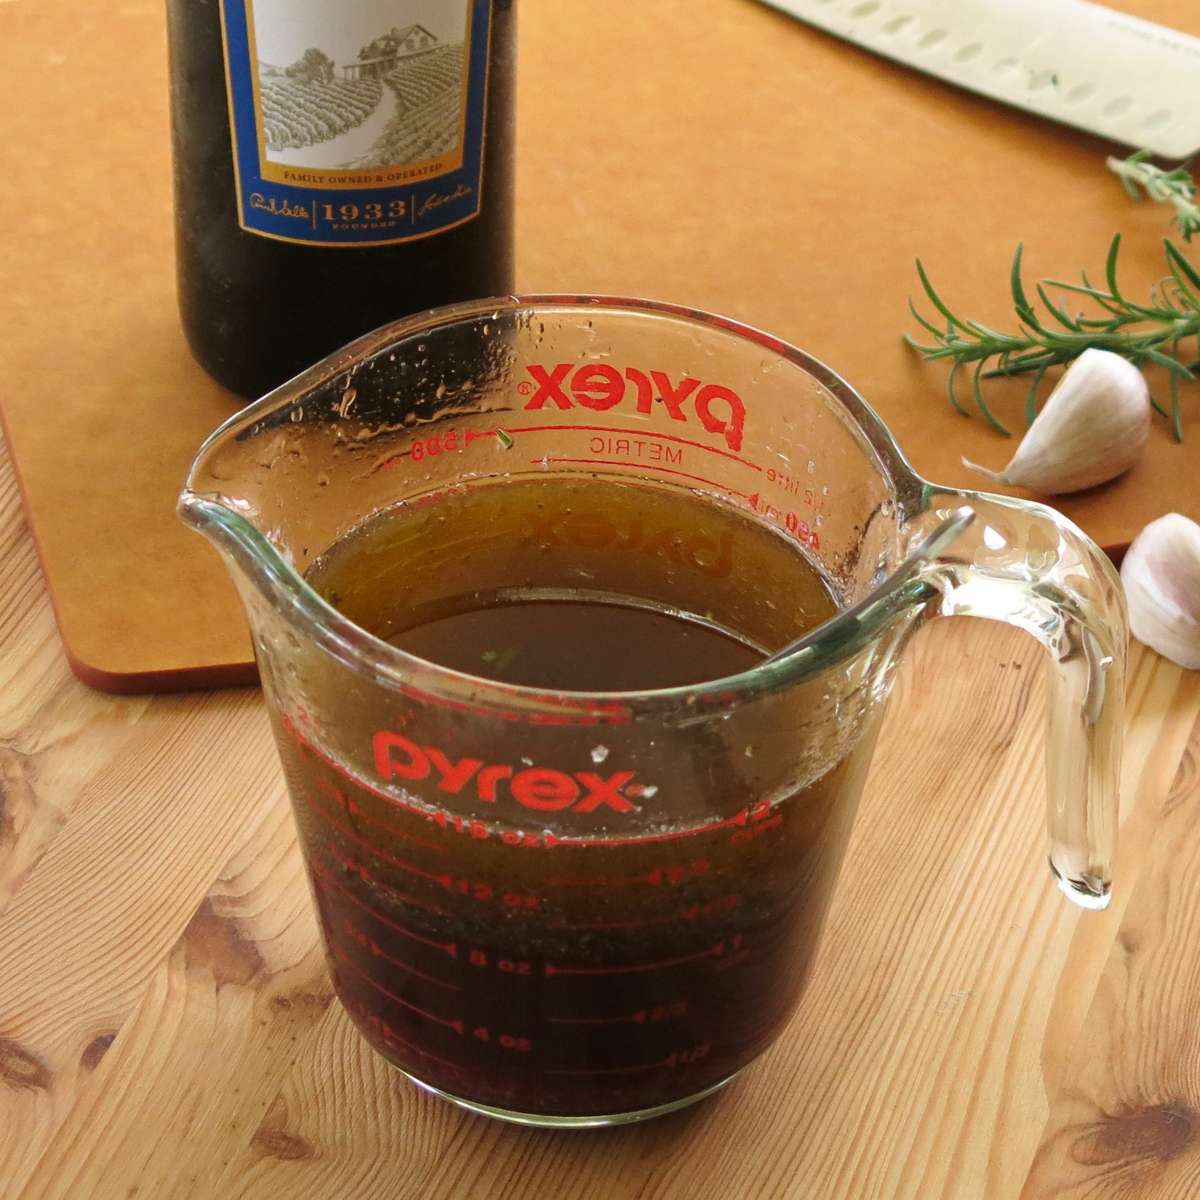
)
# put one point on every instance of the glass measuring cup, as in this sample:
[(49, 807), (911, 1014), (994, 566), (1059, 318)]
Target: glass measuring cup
[(566, 908)]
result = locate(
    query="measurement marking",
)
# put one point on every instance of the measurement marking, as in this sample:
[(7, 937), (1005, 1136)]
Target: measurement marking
[(661, 1012), (337, 767), (375, 852), (692, 913), (366, 877), (450, 948), (700, 869), (455, 1024), (632, 923), (616, 462), (711, 952), (394, 1039), (615, 715), (385, 1031), (348, 805), (369, 944), (739, 819), (669, 1063), (666, 437), (654, 1066)]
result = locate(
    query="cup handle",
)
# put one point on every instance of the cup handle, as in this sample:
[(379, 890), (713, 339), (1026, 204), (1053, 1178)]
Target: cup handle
[(1027, 565)]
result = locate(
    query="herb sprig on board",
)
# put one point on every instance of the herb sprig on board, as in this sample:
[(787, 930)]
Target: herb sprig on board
[(1174, 186), (1152, 332)]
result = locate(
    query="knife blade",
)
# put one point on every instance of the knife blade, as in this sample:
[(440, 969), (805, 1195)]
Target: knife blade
[(1082, 64)]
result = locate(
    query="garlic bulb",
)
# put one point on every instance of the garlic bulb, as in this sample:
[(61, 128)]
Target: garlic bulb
[(1161, 574), (1090, 430)]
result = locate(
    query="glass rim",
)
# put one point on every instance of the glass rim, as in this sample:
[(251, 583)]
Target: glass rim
[(263, 566)]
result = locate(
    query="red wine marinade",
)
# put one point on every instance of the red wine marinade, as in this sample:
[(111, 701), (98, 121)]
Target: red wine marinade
[(568, 979)]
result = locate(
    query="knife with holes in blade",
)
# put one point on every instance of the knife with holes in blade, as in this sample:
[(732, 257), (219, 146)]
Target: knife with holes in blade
[(1079, 63)]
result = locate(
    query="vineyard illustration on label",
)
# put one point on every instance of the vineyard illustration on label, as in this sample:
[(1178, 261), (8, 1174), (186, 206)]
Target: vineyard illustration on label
[(380, 87)]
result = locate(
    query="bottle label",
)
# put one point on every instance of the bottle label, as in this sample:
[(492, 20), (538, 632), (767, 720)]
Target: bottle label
[(356, 123)]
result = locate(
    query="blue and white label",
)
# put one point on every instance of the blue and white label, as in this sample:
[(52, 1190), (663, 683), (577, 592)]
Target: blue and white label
[(358, 122)]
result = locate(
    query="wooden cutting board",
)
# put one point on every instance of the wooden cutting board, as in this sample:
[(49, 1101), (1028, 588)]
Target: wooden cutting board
[(722, 156)]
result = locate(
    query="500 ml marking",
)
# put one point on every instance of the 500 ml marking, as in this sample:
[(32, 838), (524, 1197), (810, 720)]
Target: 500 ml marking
[(795, 525)]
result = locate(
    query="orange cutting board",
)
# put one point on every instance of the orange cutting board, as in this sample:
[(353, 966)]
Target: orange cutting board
[(718, 155)]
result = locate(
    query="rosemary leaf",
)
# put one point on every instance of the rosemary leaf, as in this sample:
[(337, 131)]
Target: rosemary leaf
[(1175, 187), (1143, 333)]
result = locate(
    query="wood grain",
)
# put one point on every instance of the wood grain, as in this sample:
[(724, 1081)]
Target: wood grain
[(166, 1025), (1126, 1120)]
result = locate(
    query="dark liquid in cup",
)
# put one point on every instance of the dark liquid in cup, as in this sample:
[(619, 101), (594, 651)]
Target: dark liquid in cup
[(552, 973)]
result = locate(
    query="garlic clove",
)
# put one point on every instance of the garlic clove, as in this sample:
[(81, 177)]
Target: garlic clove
[(1090, 430), (1161, 574)]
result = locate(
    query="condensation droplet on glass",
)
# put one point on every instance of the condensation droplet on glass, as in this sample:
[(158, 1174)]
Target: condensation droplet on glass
[(322, 479), (812, 466), (441, 391), (824, 489), (749, 752), (526, 760), (649, 789), (599, 753)]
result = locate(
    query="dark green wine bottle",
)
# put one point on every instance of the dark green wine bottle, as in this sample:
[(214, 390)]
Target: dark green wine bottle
[(337, 165)]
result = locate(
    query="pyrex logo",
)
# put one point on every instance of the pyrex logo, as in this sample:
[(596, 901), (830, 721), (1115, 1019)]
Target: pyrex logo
[(600, 387), (541, 788)]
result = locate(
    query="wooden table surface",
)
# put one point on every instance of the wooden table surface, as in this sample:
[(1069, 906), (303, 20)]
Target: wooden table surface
[(167, 1027)]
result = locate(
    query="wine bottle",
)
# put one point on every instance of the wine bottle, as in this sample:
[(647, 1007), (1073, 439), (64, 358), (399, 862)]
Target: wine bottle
[(337, 164)]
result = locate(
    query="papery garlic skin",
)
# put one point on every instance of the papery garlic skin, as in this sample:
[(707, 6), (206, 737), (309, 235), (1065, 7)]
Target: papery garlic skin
[(1161, 574), (1090, 430)]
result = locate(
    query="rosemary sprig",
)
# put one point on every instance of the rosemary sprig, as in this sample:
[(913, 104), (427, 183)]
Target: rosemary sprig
[(1175, 187), (1143, 333)]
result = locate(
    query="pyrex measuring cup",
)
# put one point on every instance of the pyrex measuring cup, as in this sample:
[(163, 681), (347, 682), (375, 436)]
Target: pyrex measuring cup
[(570, 908)]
